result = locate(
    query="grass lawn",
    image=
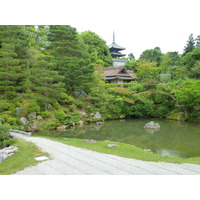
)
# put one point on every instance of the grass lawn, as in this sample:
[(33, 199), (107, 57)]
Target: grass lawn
[(124, 150), (21, 159)]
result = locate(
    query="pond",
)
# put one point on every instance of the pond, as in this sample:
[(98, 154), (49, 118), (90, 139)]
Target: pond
[(174, 138)]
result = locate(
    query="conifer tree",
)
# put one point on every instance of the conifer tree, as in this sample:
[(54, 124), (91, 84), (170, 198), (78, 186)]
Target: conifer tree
[(13, 55), (197, 41), (42, 83), (70, 57), (189, 46)]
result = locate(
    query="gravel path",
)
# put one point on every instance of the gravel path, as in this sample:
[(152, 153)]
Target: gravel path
[(69, 160)]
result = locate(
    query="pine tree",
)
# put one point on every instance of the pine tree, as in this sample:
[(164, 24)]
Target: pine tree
[(70, 57), (43, 84), (13, 54), (189, 46), (197, 41)]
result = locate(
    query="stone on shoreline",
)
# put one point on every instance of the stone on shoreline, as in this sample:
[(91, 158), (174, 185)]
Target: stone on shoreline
[(113, 145), (97, 115), (6, 152), (90, 141), (62, 127)]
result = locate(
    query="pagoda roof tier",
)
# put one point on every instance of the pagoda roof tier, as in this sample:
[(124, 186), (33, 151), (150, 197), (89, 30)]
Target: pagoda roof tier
[(117, 54), (116, 46)]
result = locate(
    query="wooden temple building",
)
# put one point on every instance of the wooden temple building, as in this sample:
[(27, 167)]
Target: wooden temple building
[(118, 75)]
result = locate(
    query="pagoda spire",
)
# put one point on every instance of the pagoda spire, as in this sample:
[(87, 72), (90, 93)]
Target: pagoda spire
[(113, 36), (115, 48)]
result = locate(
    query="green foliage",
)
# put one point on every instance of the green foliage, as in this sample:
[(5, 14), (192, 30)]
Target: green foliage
[(4, 105), (132, 64), (189, 46), (197, 41), (8, 119), (131, 56), (148, 70), (79, 104), (66, 99), (152, 55), (191, 61), (60, 115), (5, 137), (70, 58), (45, 114), (189, 94), (98, 49)]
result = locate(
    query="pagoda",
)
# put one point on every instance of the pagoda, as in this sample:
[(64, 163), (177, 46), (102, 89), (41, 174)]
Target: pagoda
[(115, 49)]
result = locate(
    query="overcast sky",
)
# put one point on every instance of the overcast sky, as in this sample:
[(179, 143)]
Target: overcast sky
[(138, 24)]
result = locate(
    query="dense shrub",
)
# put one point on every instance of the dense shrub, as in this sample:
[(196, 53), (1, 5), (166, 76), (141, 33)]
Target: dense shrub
[(5, 137)]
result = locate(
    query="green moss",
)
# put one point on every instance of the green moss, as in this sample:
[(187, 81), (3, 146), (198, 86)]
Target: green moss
[(124, 150)]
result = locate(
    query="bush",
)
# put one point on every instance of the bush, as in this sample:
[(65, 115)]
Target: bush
[(66, 99), (45, 114), (60, 115), (79, 104), (4, 105), (8, 119), (5, 137)]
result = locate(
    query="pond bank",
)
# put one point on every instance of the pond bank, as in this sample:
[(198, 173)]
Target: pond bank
[(69, 160)]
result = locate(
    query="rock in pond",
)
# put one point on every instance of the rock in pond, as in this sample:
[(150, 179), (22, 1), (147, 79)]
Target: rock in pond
[(99, 123), (90, 141), (152, 125)]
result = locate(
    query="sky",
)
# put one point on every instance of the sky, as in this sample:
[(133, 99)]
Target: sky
[(138, 24)]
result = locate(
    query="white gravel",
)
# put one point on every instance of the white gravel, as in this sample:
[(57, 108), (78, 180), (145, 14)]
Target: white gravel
[(69, 160)]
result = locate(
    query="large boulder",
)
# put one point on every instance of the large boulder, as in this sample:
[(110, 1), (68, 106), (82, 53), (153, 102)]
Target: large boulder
[(39, 118), (32, 115), (6, 152), (33, 127), (80, 93), (62, 127), (97, 115), (83, 114), (81, 122), (152, 125), (18, 111), (24, 121)]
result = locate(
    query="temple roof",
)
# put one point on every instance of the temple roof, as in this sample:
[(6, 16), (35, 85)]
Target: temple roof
[(118, 72), (116, 46), (117, 54)]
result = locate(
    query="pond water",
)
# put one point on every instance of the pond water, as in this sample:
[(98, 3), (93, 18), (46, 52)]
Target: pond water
[(180, 139)]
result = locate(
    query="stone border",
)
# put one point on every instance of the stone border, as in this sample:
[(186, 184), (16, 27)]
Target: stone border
[(7, 152), (21, 132)]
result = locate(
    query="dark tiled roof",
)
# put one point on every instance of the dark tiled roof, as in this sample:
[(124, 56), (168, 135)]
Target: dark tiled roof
[(118, 72), (116, 46)]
